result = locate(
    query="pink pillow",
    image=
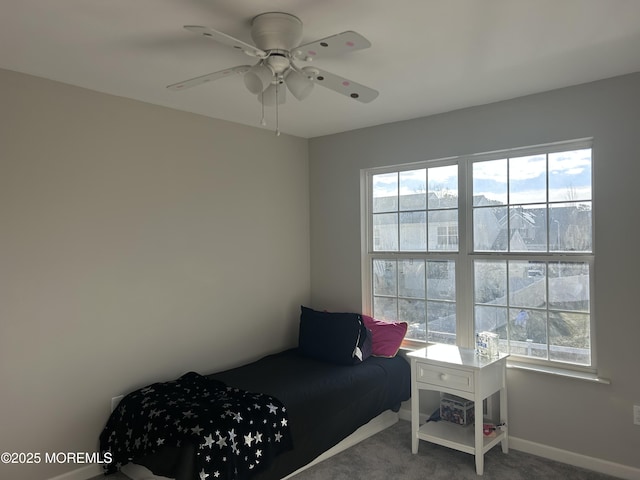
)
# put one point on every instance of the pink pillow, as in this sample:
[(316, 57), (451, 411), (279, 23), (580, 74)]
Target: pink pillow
[(386, 337)]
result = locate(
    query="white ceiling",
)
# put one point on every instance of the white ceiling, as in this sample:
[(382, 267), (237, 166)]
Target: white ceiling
[(427, 56)]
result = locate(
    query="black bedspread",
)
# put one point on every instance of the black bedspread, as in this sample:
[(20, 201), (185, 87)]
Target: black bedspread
[(325, 404), (234, 432)]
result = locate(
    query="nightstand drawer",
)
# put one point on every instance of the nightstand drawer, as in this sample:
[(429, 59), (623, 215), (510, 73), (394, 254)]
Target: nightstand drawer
[(444, 377)]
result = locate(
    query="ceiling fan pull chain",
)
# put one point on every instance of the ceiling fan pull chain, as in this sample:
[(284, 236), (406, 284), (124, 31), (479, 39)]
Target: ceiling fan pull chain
[(263, 122), (277, 119)]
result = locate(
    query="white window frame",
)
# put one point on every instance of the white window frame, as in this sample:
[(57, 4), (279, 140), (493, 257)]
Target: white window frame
[(465, 256)]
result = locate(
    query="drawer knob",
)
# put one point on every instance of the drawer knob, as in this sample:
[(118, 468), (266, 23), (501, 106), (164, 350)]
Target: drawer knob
[(443, 376)]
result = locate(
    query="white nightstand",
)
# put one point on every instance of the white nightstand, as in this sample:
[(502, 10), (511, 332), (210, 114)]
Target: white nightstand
[(459, 371)]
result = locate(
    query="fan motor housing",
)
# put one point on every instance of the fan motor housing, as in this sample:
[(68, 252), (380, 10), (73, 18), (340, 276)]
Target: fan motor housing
[(276, 31), (278, 61)]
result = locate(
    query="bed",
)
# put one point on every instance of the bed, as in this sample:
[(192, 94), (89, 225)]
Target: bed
[(326, 402)]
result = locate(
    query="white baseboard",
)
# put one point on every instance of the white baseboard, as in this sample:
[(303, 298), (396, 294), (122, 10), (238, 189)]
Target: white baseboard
[(575, 459), (564, 456), (84, 473)]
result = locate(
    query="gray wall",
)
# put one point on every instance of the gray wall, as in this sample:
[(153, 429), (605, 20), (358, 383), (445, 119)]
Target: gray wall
[(581, 417), (136, 243)]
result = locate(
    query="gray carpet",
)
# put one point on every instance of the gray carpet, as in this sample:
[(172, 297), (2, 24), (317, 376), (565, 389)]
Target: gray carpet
[(387, 456)]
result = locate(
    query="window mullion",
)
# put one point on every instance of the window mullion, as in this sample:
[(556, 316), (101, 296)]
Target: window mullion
[(464, 275)]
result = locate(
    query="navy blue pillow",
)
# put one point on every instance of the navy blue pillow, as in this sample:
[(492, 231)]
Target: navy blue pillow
[(340, 338)]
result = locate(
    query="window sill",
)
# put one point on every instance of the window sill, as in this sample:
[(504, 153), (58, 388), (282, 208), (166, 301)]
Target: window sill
[(549, 370), (562, 372)]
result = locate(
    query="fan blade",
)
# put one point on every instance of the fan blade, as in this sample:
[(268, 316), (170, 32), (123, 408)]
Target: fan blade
[(335, 44), (341, 85), (227, 40), (210, 77)]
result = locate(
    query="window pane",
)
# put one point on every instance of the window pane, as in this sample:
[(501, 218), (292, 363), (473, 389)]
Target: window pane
[(417, 330), (490, 183), (441, 320), (491, 319), (385, 192), (411, 279), (528, 332), (385, 308), (385, 232), (527, 285), (490, 281), (569, 337), (413, 231), (569, 286), (528, 179), (490, 229), (413, 312), (443, 187), (413, 190), (441, 280), (570, 176), (384, 277), (570, 227), (528, 228), (548, 306)]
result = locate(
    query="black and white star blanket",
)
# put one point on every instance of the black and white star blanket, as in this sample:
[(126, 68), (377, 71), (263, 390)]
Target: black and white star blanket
[(236, 433)]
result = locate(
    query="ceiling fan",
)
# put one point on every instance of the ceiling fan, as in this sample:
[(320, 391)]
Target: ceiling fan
[(277, 37)]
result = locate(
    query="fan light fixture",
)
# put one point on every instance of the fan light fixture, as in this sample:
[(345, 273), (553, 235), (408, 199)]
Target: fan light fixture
[(275, 94), (277, 38), (258, 78), (298, 83)]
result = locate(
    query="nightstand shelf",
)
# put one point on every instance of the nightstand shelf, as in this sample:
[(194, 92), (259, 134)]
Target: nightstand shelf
[(457, 437), (458, 371)]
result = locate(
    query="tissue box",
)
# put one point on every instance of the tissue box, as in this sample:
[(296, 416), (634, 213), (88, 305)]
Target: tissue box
[(456, 409), (487, 344)]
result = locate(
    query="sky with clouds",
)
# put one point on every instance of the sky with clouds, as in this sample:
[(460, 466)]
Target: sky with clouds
[(521, 179)]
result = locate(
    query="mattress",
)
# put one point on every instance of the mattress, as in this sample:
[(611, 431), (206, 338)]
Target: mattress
[(325, 403)]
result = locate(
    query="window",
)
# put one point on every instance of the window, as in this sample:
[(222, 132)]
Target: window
[(498, 242), (448, 237)]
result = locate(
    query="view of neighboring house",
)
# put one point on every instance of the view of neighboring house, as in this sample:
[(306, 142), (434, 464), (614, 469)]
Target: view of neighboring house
[(430, 221)]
